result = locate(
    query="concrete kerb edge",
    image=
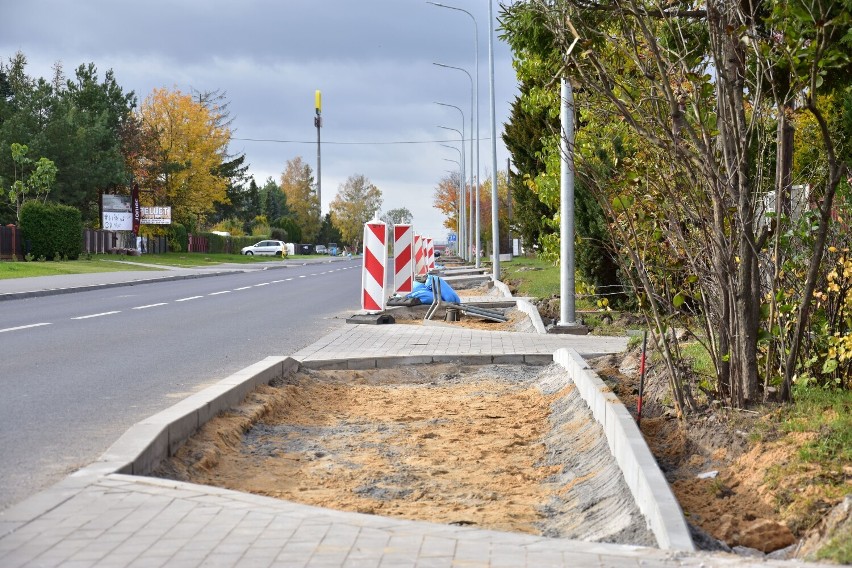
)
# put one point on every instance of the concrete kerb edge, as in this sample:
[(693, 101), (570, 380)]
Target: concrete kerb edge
[(650, 490), (145, 443), (524, 305), (75, 289), (504, 290), (157, 437)]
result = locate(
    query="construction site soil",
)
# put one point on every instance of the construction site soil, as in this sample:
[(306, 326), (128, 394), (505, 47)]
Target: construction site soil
[(505, 447)]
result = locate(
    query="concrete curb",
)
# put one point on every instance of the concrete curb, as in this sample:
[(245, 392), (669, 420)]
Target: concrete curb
[(532, 312), (75, 289), (88, 288), (650, 489), (504, 290), (149, 441)]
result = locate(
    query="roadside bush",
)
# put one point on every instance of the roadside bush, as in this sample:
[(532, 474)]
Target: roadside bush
[(229, 245), (51, 230), (278, 234), (177, 237), (294, 232)]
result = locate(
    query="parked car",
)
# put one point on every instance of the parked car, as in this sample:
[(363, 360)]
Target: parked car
[(320, 249), (332, 249), (269, 248)]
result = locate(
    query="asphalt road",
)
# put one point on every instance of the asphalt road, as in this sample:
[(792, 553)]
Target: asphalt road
[(78, 369)]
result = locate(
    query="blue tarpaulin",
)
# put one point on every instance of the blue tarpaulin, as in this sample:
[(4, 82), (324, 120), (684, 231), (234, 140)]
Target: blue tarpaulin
[(425, 294)]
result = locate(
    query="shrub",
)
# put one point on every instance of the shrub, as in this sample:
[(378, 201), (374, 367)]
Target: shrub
[(52, 230), (278, 234), (178, 238), (229, 245), (294, 233)]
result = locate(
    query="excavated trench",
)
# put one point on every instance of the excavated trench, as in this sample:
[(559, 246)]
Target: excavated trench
[(503, 447)]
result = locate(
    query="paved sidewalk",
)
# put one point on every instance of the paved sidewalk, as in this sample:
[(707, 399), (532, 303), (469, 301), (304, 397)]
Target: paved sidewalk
[(96, 517)]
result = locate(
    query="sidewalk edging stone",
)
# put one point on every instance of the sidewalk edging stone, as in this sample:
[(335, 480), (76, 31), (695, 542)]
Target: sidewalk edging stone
[(651, 491)]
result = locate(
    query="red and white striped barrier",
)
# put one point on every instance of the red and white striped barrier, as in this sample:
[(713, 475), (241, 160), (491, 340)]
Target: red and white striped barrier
[(373, 267), (420, 267), (430, 254), (403, 259)]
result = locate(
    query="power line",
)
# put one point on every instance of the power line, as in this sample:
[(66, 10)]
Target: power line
[(395, 142)]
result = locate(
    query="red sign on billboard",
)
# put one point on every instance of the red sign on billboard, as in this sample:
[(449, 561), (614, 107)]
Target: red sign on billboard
[(137, 208)]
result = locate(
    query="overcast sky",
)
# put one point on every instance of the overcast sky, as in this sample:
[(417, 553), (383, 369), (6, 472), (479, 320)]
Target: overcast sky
[(371, 59)]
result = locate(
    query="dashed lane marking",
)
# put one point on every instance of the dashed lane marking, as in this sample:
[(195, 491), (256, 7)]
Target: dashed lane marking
[(97, 315), (243, 288), (217, 293), (188, 299), (150, 306), (23, 327)]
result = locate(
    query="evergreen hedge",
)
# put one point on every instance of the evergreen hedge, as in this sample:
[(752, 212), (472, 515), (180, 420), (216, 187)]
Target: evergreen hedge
[(51, 230), (178, 238), (230, 245)]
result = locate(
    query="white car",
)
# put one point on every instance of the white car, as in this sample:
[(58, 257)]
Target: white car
[(269, 248), (320, 249)]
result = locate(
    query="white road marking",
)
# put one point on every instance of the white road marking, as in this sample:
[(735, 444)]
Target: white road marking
[(217, 293), (276, 281), (23, 327), (302, 276), (243, 288), (97, 315), (287, 279), (262, 284), (188, 299), (149, 306)]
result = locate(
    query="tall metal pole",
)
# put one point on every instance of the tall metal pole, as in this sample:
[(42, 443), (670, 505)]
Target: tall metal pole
[(462, 196), (495, 227), (474, 130), (461, 181), (318, 124), (566, 208), (463, 189)]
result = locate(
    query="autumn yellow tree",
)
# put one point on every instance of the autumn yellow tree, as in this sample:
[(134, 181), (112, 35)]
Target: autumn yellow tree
[(446, 200), (188, 146), (357, 201), (297, 183)]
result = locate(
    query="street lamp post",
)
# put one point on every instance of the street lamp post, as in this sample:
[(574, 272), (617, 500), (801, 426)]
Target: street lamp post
[(462, 204), (474, 129), (460, 188), (469, 242), (463, 191), (495, 227), (318, 124)]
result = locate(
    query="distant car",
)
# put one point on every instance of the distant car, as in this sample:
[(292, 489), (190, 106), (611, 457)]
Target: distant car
[(268, 248), (320, 249)]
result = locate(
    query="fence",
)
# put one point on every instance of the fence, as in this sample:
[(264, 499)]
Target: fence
[(154, 245), (198, 244), (10, 243), (100, 242)]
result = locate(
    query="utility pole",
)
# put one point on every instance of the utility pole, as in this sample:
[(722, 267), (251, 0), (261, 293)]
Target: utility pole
[(318, 124)]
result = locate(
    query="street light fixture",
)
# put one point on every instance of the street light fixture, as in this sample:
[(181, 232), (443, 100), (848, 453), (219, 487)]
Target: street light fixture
[(474, 130), (472, 182)]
